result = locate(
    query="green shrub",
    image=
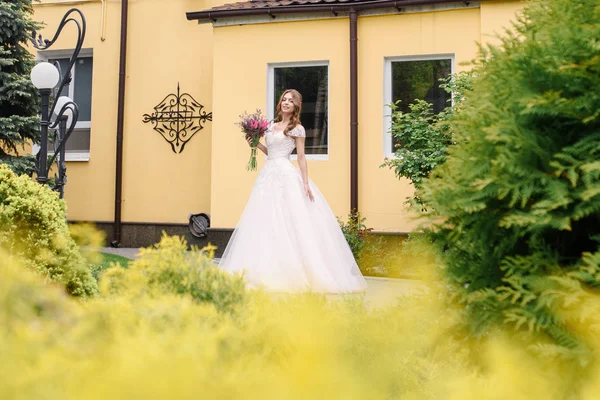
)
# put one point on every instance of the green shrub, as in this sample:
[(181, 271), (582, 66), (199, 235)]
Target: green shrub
[(516, 206), (168, 268), (355, 231), (33, 229), (367, 249), (424, 136)]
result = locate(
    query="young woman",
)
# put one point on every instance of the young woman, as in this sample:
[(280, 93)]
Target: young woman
[(288, 239)]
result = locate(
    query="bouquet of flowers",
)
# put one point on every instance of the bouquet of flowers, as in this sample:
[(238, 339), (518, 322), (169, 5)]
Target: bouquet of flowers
[(254, 127)]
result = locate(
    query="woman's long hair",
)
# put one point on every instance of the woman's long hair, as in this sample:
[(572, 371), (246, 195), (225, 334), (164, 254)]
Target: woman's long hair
[(295, 120)]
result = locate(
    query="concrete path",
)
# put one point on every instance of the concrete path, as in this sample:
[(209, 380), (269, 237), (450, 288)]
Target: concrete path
[(380, 291), (128, 252)]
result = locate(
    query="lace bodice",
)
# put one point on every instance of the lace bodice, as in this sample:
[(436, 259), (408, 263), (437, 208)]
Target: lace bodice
[(280, 145)]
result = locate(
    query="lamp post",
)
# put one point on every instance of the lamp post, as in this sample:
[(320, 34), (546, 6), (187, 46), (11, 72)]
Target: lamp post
[(64, 120), (44, 77), (57, 112)]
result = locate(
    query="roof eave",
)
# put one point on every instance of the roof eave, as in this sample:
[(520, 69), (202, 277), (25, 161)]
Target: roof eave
[(213, 15)]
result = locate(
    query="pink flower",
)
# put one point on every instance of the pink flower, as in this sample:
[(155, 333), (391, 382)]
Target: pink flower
[(253, 125)]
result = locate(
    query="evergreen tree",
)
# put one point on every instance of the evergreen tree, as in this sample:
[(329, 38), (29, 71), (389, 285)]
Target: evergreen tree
[(515, 209), (19, 101)]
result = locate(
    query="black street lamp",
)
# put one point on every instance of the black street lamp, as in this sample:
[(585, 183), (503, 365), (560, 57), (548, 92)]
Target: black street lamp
[(58, 112)]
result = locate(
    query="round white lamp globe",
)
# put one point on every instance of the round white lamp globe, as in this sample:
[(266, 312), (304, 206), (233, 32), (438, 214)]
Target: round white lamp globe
[(60, 102), (44, 76)]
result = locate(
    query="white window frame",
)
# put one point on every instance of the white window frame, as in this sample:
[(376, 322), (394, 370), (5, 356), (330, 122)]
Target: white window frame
[(388, 151), (271, 100), (46, 55)]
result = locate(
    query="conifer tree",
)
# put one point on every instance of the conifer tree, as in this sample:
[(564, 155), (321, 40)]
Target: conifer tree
[(19, 101), (515, 209)]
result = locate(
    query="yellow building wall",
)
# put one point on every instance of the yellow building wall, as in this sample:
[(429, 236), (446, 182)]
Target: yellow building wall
[(225, 69), (496, 17), (163, 49), (240, 83), (458, 32), (381, 194)]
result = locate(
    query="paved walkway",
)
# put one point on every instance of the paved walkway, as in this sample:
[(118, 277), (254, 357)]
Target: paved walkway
[(380, 291), (128, 252)]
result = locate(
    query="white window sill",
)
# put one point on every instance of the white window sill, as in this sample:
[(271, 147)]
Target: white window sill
[(316, 157), (77, 157)]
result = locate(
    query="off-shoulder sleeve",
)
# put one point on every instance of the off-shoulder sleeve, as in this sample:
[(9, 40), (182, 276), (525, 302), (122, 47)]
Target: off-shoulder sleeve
[(298, 131)]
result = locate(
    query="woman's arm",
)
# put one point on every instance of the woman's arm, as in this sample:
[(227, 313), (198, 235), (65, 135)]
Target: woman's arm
[(303, 167)]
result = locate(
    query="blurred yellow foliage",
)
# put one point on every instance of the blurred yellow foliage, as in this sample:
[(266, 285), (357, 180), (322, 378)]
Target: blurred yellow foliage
[(173, 326)]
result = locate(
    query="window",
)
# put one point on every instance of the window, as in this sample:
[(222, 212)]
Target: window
[(408, 79), (80, 90), (312, 81)]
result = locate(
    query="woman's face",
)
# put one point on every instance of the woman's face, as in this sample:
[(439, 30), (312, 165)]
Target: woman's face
[(287, 104)]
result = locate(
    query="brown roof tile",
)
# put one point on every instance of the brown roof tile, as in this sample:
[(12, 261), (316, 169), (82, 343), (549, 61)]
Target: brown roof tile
[(272, 7), (279, 3)]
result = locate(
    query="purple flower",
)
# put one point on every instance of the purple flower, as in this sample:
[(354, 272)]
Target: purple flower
[(253, 125)]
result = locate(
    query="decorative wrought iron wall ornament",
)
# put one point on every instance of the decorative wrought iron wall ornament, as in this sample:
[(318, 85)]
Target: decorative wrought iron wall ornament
[(178, 118)]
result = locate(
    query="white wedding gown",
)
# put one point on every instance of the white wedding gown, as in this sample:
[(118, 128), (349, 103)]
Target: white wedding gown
[(283, 241)]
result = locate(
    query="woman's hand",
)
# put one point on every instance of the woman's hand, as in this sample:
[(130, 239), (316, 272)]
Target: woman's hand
[(308, 192), (259, 146)]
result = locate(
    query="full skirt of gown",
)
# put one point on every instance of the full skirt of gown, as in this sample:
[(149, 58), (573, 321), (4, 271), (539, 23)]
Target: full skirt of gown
[(284, 242)]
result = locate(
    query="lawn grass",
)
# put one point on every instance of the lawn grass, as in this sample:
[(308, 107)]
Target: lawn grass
[(383, 257), (107, 259)]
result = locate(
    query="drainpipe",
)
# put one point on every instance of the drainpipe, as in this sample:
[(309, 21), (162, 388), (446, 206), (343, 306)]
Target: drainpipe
[(103, 29), (120, 116), (353, 111)]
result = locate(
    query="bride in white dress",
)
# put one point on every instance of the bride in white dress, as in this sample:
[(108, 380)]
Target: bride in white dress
[(287, 239)]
